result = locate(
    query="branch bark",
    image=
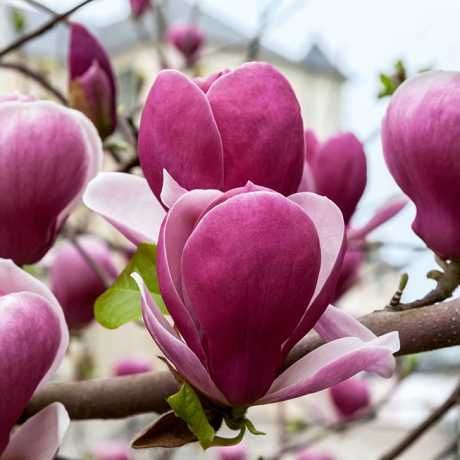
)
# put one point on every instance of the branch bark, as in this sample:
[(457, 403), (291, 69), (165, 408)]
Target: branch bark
[(422, 329)]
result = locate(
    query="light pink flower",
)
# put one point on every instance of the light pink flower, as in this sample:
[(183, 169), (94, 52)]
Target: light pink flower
[(130, 366)]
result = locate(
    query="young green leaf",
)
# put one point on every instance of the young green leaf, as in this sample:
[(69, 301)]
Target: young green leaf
[(187, 405), (121, 302)]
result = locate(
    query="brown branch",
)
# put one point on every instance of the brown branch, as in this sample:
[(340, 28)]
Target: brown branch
[(19, 42), (423, 329), (37, 77), (431, 420)]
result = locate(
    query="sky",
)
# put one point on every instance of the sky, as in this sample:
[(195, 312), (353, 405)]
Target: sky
[(363, 38)]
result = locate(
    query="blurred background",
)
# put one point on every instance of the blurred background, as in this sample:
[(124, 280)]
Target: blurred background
[(332, 52)]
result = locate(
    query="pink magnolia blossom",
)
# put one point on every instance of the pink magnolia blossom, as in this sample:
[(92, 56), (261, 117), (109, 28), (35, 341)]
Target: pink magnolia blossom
[(130, 366), (238, 452), (140, 7), (33, 341), (187, 39), (420, 143), (242, 291), (246, 126), (112, 450), (350, 397), (42, 174), (75, 283), (92, 87)]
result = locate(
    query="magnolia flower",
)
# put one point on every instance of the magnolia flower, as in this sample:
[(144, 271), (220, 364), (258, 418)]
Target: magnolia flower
[(112, 450), (420, 143), (242, 291), (312, 454), (49, 153), (33, 341), (130, 366), (247, 126), (92, 87), (75, 283), (140, 7), (188, 40), (237, 452), (350, 397), (336, 169)]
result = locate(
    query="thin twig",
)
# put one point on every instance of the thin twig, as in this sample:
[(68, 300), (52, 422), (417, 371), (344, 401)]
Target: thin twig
[(431, 420), (19, 42), (42, 7), (37, 77)]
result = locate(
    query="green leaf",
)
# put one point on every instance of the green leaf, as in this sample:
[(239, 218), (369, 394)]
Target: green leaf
[(121, 302), (252, 429), (187, 405)]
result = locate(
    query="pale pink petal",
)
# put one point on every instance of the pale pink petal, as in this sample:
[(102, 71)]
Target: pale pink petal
[(330, 227), (13, 279), (335, 324), (127, 202), (175, 350), (40, 437), (387, 211), (171, 190), (332, 363)]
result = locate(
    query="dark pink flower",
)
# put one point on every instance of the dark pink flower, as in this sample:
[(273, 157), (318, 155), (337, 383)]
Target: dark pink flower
[(140, 7), (92, 87), (187, 39), (238, 452), (130, 366), (422, 150), (242, 290), (350, 397)]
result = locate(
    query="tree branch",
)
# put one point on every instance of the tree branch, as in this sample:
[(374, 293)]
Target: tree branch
[(22, 40), (423, 329)]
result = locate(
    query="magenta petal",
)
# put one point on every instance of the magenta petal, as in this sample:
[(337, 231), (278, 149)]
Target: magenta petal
[(13, 280), (127, 202), (30, 336), (176, 229), (312, 145), (350, 397), (40, 437), (386, 212), (178, 133), (349, 272), (340, 171), (261, 127), (175, 350), (330, 227), (332, 363), (244, 274)]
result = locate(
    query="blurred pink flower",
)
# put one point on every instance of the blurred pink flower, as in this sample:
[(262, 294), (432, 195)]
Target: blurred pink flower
[(129, 366)]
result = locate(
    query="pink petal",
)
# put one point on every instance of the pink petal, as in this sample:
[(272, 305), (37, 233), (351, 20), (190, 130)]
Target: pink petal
[(178, 133), (248, 280), (127, 202), (307, 183), (41, 436), (312, 145), (12, 280), (42, 176), (261, 127), (171, 190), (30, 336), (383, 214), (176, 229), (175, 350), (330, 227), (332, 363)]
